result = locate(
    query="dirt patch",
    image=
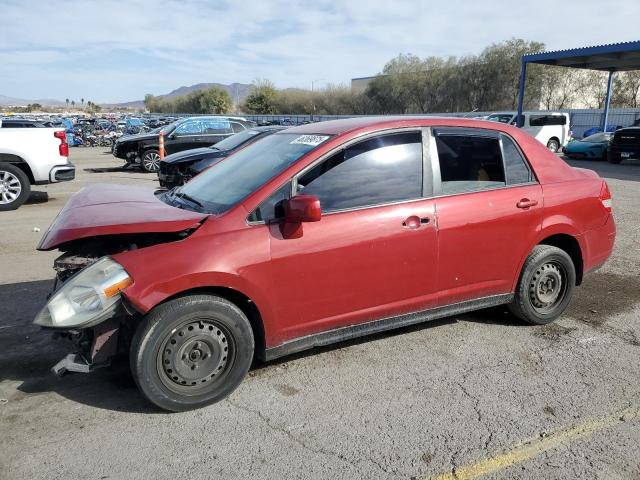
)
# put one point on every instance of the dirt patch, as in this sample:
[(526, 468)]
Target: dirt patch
[(287, 390), (552, 331), (603, 295)]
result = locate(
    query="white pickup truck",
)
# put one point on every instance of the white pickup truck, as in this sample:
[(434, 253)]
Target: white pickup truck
[(31, 156)]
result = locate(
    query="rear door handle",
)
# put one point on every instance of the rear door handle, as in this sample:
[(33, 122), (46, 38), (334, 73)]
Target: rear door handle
[(526, 203), (414, 222)]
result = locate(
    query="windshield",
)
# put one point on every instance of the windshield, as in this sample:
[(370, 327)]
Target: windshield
[(222, 186), (598, 137), (501, 117), (236, 140)]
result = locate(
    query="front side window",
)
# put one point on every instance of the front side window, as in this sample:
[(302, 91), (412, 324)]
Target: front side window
[(469, 163), (376, 171), (193, 127)]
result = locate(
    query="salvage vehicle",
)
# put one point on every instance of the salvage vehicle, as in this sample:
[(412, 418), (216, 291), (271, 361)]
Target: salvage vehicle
[(624, 145), (178, 168), (31, 155), (549, 128), (143, 149), (593, 147), (317, 234)]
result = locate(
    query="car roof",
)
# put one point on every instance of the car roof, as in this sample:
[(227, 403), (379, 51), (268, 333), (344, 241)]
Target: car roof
[(268, 128), (339, 127)]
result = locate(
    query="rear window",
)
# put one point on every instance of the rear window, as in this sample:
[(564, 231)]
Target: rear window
[(469, 163)]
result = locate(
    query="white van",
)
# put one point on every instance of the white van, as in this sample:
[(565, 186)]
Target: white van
[(549, 128)]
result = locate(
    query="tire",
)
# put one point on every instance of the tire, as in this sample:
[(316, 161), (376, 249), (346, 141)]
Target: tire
[(545, 286), (553, 145), (14, 187), (191, 351), (150, 161), (615, 159)]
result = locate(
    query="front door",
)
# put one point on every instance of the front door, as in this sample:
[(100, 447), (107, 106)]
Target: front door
[(374, 252), (187, 135), (489, 208)]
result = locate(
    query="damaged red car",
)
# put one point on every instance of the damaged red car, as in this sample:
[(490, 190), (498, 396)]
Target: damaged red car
[(314, 235)]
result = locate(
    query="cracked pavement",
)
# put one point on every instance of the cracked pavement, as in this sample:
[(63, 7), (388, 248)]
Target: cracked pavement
[(413, 403)]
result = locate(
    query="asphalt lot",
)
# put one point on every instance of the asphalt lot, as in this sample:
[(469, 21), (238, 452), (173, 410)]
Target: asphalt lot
[(478, 395)]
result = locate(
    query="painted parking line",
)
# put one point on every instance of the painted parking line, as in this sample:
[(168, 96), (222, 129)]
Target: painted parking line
[(537, 446)]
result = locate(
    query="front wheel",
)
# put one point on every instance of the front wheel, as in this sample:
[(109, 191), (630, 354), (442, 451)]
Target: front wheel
[(545, 286), (151, 161), (191, 352), (14, 187)]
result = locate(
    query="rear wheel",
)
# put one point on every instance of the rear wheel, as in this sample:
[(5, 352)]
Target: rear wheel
[(191, 352), (14, 187), (545, 286), (553, 145), (151, 161)]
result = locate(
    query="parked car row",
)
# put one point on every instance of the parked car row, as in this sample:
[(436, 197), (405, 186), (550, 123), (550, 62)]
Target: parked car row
[(183, 134), (615, 147)]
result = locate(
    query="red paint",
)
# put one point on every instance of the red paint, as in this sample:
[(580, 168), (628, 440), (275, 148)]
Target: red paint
[(352, 266)]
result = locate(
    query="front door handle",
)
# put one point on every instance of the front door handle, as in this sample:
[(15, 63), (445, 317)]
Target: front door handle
[(526, 203)]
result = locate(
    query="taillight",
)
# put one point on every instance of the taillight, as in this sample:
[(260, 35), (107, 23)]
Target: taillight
[(605, 197), (64, 146)]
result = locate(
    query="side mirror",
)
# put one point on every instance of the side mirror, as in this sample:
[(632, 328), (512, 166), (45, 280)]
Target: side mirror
[(302, 208)]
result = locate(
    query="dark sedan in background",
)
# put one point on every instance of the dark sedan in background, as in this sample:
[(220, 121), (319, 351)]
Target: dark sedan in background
[(178, 168), (184, 134)]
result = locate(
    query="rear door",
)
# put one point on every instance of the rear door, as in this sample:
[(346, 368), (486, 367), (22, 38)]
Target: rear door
[(373, 254), (489, 207)]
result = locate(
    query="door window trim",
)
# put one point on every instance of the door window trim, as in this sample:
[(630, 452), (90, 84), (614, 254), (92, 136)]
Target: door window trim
[(427, 174), (479, 132)]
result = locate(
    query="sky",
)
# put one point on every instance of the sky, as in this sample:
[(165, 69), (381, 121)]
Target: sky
[(119, 51)]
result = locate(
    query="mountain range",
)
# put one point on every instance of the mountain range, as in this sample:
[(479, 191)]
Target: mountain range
[(237, 91)]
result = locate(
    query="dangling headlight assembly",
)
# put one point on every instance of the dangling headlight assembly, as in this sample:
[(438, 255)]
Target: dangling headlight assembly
[(88, 298)]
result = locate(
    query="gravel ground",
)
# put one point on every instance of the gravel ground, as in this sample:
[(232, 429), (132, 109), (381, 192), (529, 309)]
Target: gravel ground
[(478, 395)]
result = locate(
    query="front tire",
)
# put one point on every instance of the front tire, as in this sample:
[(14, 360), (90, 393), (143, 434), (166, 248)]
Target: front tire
[(612, 158), (14, 187), (191, 352), (545, 286), (150, 161)]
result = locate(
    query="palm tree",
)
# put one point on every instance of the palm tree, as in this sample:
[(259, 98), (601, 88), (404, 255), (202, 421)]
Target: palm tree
[(73, 103), (82, 101), (67, 100)]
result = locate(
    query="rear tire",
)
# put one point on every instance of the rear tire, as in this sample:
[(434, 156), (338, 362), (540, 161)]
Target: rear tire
[(553, 145), (150, 161), (191, 352), (545, 286), (14, 187)]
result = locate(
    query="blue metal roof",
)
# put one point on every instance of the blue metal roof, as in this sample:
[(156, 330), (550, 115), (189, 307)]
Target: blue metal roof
[(611, 57)]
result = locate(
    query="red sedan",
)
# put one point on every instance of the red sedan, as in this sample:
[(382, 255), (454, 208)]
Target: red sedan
[(318, 234)]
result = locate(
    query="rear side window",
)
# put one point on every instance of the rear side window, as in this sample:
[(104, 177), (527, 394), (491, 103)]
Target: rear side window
[(216, 127), (515, 165), (237, 127), (469, 163), (379, 170), (542, 120)]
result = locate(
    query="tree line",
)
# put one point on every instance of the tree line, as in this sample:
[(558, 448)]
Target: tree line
[(410, 84)]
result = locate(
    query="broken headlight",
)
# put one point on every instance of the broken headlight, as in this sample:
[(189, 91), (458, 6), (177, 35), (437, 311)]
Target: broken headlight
[(87, 298)]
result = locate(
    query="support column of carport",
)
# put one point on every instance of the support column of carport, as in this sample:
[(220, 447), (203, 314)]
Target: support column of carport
[(607, 101)]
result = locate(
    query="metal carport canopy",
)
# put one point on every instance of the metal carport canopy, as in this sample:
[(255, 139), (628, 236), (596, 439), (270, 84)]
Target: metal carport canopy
[(615, 57)]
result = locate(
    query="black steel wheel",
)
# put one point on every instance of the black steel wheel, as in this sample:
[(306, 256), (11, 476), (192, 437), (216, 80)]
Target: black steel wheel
[(545, 286), (191, 351)]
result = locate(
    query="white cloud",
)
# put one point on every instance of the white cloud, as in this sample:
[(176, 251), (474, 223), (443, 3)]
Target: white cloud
[(113, 51)]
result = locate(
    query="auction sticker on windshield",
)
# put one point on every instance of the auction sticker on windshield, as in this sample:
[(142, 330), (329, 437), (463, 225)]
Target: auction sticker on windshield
[(312, 140)]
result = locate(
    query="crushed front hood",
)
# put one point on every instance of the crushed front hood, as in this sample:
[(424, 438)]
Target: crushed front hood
[(115, 209)]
